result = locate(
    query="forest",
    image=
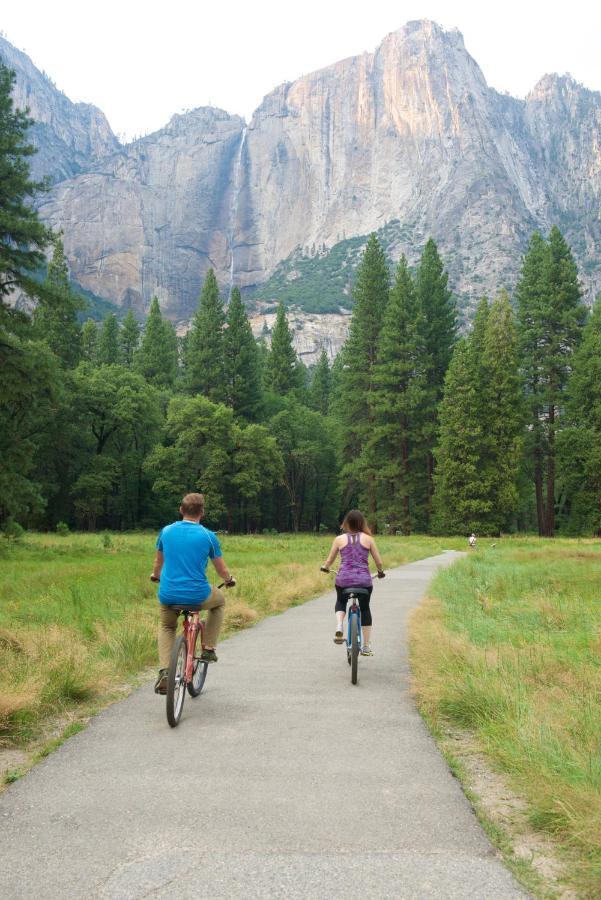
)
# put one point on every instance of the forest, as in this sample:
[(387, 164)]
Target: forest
[(429, 430)]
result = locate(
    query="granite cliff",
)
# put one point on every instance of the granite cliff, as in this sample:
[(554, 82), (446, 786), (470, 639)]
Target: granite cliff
[(408, 141)]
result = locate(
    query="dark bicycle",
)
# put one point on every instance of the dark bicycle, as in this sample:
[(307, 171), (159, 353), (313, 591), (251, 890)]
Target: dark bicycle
[(353, 639)]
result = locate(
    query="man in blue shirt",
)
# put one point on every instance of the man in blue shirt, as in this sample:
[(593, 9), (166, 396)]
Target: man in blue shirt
[(183, 550)]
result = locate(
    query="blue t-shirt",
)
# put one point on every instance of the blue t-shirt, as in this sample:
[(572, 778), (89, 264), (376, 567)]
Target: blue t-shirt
[(186, 549)]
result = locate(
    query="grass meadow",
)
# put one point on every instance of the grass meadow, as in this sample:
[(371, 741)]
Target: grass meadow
[(508, 647), (78, 614)]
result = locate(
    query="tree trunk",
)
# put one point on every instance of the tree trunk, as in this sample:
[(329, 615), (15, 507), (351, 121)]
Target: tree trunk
[(550, 511)]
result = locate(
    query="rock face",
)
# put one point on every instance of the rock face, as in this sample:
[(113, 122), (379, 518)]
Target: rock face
[(311, 332), (68, 136), (151, 218), (410, 133)]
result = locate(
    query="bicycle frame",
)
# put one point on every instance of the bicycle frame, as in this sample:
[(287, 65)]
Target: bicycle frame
[(192, 625), (353, 610)]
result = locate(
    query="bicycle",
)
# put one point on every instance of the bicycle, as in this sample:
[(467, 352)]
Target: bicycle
[(353, 639), (187, 671)]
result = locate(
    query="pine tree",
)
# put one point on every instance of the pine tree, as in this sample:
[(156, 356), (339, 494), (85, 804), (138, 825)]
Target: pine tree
[(439, 331), (204, 363), (109, 351), (283, 373), (23, 237), (579, 441), (89, 341), (503, 413), (243, 375), (319, 392), (550, 317), (462, 498), (397, 401), (156, 359), (356, 383), (439, 313), (129, 338), (56, 323)]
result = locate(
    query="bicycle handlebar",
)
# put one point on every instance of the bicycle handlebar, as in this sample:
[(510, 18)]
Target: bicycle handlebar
[(379, 574)]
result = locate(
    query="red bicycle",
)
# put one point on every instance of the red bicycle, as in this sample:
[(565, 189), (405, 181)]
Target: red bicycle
[(187, 671)]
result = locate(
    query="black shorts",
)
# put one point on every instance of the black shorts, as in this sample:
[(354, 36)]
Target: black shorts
[(342, 600)]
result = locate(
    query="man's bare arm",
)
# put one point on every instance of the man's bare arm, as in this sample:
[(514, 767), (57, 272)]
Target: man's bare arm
[(221, 568), (157, 566)]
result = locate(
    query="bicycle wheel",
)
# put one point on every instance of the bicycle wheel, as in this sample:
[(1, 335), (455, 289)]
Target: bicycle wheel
[(199, 675), (354, 649), (176, 683)]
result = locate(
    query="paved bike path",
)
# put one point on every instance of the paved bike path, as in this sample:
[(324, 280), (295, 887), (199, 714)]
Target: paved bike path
[(282, 781)]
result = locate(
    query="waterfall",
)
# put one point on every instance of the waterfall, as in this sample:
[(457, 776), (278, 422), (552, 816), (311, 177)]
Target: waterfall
[(234, 204)]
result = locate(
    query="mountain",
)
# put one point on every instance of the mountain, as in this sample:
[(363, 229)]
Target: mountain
[(408, 141), (68, 136)]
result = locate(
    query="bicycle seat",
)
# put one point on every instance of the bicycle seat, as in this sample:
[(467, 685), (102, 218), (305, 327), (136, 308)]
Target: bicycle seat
[(357, 591), (182, 610)]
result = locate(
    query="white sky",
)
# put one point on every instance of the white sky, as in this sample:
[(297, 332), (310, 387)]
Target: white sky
[(141, 62)]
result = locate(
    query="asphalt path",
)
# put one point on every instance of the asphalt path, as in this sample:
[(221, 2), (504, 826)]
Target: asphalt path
[(282, 780)]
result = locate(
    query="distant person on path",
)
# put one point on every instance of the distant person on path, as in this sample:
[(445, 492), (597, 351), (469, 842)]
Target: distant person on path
[(472, 541), (183, 550), (354, 547)]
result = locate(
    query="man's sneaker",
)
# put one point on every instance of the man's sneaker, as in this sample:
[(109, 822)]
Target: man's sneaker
[(208, 656), (160, 685), (366, 650), (338, 638)]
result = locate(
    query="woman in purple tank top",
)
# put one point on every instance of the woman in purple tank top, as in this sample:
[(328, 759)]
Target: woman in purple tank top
[(354, 547)]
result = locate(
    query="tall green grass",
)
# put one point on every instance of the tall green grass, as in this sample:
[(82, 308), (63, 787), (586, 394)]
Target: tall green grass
[(509, 647), (78, 614)]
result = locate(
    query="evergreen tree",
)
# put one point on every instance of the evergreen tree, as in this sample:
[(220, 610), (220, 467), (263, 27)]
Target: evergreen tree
[(89, 341), (439, 313), (242, 364), (23, 237), (462, 498), (356, 383), (579, 441), (205, 364), (108, 350), (283, 372), (550, 317), (397, 401), (481, 424), (502, 412), (129, 338), (156, 358), (319, 392), (439, 331), (57, 323)]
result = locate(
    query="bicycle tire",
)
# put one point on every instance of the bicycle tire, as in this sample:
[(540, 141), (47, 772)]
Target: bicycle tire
[(199, 676), (354, 649), (176, 683)]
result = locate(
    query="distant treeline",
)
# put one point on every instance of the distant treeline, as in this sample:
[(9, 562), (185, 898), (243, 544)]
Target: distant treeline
[(106, 426)]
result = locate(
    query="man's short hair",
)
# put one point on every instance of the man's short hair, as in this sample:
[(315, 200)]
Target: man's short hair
[(193, 504)]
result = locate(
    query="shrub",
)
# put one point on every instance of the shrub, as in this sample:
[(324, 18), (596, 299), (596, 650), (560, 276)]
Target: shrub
[(62, 528), (12, 531)]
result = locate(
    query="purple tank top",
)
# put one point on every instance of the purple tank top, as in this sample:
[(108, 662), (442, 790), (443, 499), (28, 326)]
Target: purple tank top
[(354, 568)]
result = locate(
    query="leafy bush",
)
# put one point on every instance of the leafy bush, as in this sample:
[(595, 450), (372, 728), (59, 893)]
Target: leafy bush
[(62, 528), (12, 531)]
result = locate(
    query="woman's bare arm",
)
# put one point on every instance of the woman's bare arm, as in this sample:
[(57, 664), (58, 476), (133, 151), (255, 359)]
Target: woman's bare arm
[(331, 555), (376, 556)]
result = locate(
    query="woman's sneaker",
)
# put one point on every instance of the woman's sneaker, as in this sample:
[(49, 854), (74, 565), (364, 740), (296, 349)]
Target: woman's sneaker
[(208, 656), (338, 638), (160, 685), (366, 650)]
